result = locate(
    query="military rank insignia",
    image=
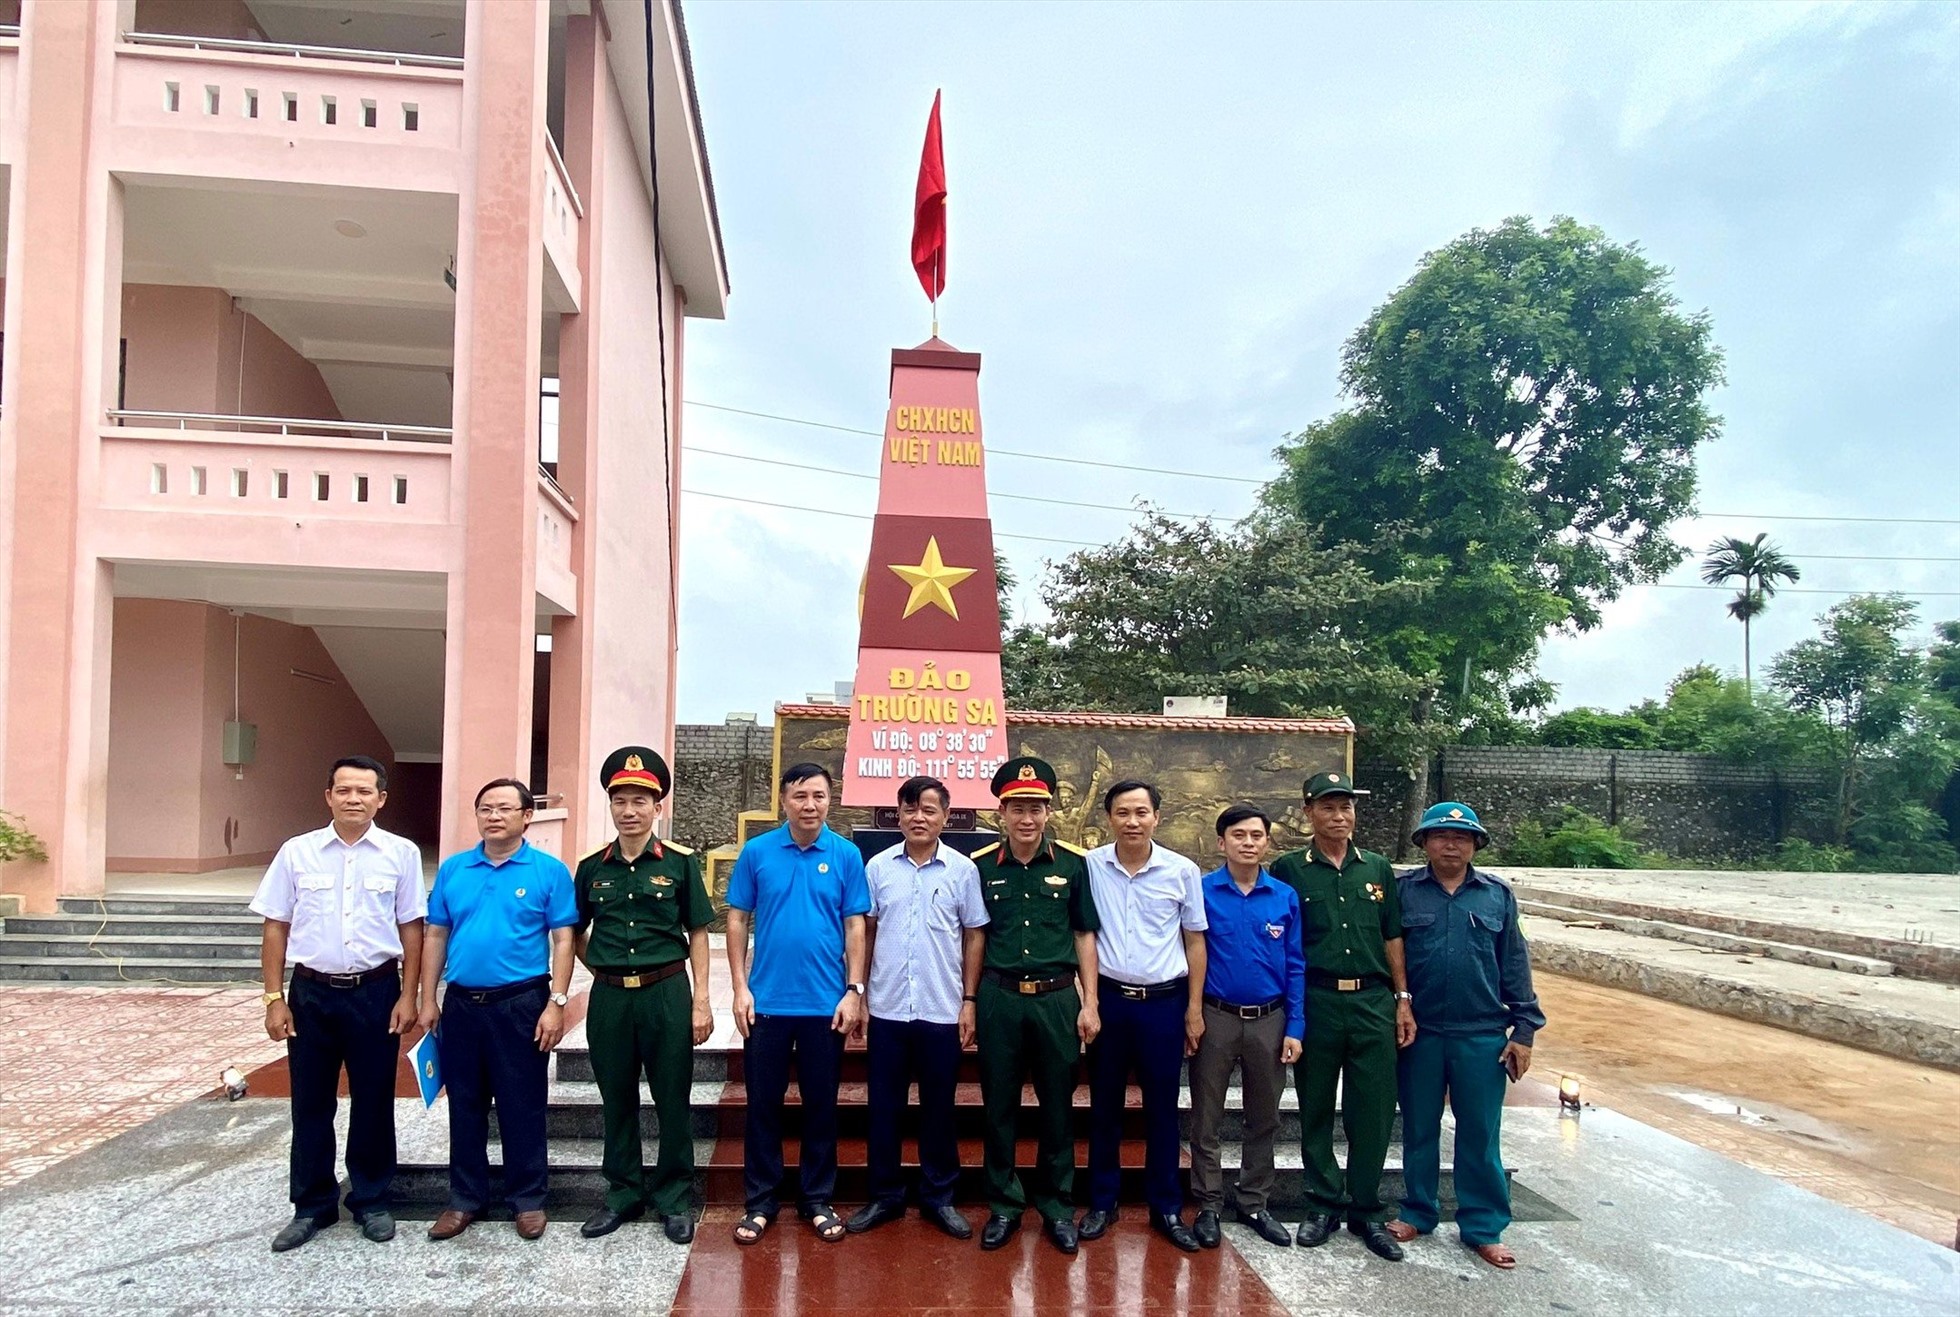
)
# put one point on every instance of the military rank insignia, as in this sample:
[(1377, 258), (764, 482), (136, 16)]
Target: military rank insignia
[(1055, 880)]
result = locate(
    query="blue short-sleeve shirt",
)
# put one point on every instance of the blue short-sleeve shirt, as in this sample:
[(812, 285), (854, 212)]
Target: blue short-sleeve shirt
[(799, 897), (500, 916)]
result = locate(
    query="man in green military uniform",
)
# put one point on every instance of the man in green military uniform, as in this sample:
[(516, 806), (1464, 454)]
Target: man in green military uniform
[(1032, 1021), (1358, 1000), (643, 919)]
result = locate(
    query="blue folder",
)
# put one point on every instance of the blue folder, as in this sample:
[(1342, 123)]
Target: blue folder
[(428, 1067)]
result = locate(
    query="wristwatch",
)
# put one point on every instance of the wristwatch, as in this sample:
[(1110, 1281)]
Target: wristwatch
[(272, 997), (1405, 996), (858, 988), (559, 999)]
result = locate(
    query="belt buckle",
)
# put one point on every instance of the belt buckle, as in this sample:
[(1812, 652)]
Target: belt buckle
[(1347, 985), (1133, 992), (1027, 987), (629, 981), (343, 980), (1250, 1012)]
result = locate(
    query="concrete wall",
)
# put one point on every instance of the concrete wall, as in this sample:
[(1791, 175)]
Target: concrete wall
[(719, 771), (174, 806), (185, 354), (1696, 807)]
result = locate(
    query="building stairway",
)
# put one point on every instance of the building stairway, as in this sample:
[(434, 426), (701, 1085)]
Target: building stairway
[(176, 941)]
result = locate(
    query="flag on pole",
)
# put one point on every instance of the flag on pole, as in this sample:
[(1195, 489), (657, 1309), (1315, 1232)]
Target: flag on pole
[(929, 212)]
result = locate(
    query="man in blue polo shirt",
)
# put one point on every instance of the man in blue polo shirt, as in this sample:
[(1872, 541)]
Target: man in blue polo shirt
[(500, 933), (1255, 1018), (799, 995)]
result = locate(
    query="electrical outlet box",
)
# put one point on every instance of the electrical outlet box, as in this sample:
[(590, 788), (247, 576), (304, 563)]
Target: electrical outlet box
[(241, 743)]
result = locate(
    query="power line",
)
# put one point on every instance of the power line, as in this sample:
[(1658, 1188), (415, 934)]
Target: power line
[(865, 516)]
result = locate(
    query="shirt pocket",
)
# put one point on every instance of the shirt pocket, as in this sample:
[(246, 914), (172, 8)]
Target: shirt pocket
[(943, 910), (314, 893), (1158, 914), (1423, 938)]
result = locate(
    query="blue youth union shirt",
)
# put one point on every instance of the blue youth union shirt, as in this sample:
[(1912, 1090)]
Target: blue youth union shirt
[(799, 898), (500, 916)]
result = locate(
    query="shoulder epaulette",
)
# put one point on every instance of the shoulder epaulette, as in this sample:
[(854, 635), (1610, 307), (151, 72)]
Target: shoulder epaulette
[(677, 848), (1499, 879), (1071, 847), (988, 849), (604, 845)]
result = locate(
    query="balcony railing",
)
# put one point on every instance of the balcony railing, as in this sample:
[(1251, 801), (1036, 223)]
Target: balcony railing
[(286, 425), (233, 45)]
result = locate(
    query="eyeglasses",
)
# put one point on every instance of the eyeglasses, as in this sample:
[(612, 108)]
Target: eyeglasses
[(500, 811)]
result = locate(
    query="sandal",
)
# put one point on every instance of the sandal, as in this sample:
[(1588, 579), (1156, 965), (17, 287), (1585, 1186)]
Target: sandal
[(825, 1221), (754, 1223), (1496, 1254)]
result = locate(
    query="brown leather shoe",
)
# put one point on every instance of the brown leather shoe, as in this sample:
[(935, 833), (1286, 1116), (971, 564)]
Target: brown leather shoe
[(530, 1225), (451, 1224)]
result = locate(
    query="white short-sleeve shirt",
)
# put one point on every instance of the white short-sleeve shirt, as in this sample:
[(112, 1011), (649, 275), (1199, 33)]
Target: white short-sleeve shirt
[(922, 911), (1141, 941), (345, 901)]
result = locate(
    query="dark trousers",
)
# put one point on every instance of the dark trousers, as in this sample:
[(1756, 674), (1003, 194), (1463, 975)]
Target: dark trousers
[(1352, 1045), (902, 1051), (490, 1054), (1145, 1038), (650, 1031), (1029, 1039), (776, 1042), (1467, 1070), (336, 1027)]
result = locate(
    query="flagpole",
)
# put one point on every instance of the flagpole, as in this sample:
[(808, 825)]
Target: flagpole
[(935, 296)]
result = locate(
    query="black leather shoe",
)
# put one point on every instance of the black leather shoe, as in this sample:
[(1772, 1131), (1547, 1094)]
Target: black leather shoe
[(1062, 1234), (1375, 1235), (1273, 1232), (297, 1231), (680, 1229), (1171, 1226), (378, 1227), (948, 1218), (1206, 1229), (873, 1215), (605, 1221), (1096, 1224), (1315, 1230), (998, 1230)]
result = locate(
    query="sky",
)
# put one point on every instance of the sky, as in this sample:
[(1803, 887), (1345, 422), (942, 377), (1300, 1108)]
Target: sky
[(1165, 219)]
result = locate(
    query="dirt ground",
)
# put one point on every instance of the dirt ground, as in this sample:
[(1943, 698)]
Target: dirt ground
[(1874, 1133)]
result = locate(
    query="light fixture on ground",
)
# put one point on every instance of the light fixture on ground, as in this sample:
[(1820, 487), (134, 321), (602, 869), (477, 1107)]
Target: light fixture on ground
[(1568, 1095)]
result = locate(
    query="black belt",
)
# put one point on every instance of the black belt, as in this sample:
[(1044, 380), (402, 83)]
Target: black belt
[(485, 996), (1030, 987), (1143, 991), (353, 980), (1320, 978), (1259, 1012), (644, 979)]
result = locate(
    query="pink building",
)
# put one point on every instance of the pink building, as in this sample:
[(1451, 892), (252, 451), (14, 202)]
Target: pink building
[(340, 412)]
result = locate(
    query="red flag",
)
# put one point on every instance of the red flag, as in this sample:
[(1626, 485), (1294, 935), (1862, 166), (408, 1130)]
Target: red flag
[(929, 212)]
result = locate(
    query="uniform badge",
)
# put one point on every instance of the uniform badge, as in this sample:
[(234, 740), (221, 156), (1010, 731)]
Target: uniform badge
[(1275, 930), (1055, 880), (520, 891), (634, 764), (1374, 891), (823, 868), (663, 882)]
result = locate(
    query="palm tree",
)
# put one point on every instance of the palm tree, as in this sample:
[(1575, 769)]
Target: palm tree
[(1761, 567)]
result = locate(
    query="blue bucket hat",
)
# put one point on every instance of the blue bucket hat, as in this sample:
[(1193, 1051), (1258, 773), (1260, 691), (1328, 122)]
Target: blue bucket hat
[(1451, 816)]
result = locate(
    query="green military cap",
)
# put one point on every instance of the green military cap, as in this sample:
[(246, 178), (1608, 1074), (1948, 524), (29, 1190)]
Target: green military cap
[(1332, 784), (1026, 778), (636, 766)]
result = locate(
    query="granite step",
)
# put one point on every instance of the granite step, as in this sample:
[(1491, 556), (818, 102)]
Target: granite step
[(1711, 939), (172, 971)]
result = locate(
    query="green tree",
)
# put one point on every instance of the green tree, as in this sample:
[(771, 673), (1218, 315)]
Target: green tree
[(1529, 404), (1761, 567), (1860, 679)]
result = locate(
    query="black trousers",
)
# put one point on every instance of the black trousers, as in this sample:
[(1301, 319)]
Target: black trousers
[(489, 1055), (1144, 1038), (817, 1051), (902, 1051), (335, 1028)]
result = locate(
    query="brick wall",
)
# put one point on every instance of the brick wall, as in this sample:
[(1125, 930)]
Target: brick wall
[(719, 771)]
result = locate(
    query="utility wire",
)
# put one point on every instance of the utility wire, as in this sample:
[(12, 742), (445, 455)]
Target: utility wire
[(865, 516)]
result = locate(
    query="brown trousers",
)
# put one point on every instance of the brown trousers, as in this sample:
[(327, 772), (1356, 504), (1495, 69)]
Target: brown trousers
[(1253, 1045)]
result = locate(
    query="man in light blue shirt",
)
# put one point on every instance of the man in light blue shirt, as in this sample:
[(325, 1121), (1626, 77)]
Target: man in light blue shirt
[(500, 934), (1150, 956), (799, 997), (926, 939)]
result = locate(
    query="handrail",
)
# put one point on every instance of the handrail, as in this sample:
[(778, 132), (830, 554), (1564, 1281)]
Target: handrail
[(564, 174), (234, 44), (288, 425), (10, 30)]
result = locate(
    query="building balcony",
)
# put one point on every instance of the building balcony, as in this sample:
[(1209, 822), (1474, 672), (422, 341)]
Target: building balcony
[(563, 213), (219, 108), (9, 80)]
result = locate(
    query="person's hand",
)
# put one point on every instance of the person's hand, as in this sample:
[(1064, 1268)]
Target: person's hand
[(704, 1021), (1405, 1024), (744, 1011), (1088, 1024), (426, 1018), (551, 1026), (969, 1023), (1516, 1059), (848, 1018), (402, 1018), (279, 1021), (1194, 1029), (1289, 1050)]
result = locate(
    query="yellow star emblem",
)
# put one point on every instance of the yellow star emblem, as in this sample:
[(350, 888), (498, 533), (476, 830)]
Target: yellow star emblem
[(932, 581)]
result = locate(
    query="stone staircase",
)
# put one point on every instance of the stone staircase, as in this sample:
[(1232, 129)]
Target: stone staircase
[(187, 941)]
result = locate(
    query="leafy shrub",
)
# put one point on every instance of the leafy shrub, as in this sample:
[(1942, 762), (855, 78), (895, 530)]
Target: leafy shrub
[(16, 842), (1572, 839), (1795, 855)]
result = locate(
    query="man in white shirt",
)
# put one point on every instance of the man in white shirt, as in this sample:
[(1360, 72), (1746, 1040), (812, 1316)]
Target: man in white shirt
[(925, 941), (1150, 955), (344, 907)]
